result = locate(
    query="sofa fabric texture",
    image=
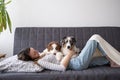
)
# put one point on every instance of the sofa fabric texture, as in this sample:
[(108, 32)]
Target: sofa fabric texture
[(39, 37)]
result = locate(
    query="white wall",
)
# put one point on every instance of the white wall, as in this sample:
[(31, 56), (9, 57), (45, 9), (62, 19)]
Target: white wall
[(59, 13)]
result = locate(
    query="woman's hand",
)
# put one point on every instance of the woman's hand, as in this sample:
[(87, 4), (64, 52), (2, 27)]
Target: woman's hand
[(71, 52)]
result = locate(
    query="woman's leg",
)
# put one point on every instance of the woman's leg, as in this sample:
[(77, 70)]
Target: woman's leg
[(84, 58), (107, 49), (98, 61), (101, 60)]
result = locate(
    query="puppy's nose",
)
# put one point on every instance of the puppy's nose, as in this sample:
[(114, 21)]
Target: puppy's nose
[(68, 47), (54, 53)]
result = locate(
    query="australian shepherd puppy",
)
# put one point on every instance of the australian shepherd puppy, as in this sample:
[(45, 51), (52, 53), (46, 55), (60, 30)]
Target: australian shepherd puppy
[(68, 43), (54, 48)]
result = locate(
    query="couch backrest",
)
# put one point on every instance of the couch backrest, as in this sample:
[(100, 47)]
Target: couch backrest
[(39, 37)]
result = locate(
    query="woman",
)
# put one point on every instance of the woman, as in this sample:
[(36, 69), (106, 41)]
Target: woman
[(48, 61), (83, 61)]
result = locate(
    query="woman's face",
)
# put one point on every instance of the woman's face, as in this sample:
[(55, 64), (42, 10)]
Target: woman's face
[(34, 54)]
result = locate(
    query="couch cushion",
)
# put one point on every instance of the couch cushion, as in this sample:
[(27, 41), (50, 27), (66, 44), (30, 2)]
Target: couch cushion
[(96, 73), (39, 37)]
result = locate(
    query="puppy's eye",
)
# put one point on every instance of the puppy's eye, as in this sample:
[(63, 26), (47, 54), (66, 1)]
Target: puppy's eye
[(71, 42), (66, 41), (57, 48), (51, 48)]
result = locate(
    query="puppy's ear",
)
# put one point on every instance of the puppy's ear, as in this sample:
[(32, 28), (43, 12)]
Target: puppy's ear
[(63, 40), (49, 46), (58, 46), (73, 39)]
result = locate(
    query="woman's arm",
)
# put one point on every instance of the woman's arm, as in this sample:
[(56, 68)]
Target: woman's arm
[(50, 62), (51, 66), (54, 66), (67, 58)]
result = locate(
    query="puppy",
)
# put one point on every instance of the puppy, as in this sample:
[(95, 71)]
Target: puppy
[(54, 48), (68, 43)]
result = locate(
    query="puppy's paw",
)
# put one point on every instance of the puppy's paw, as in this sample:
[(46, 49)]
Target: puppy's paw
[(77, 50), (59, 56)]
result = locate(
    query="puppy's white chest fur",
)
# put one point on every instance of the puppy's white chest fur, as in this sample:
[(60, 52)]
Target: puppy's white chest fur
[(54, 48), (65, 51)]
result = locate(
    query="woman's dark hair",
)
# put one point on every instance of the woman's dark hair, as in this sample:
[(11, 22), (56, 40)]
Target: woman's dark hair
[(24, 55)]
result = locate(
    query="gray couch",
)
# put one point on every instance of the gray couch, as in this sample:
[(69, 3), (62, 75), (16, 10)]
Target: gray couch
[(39, 37)]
